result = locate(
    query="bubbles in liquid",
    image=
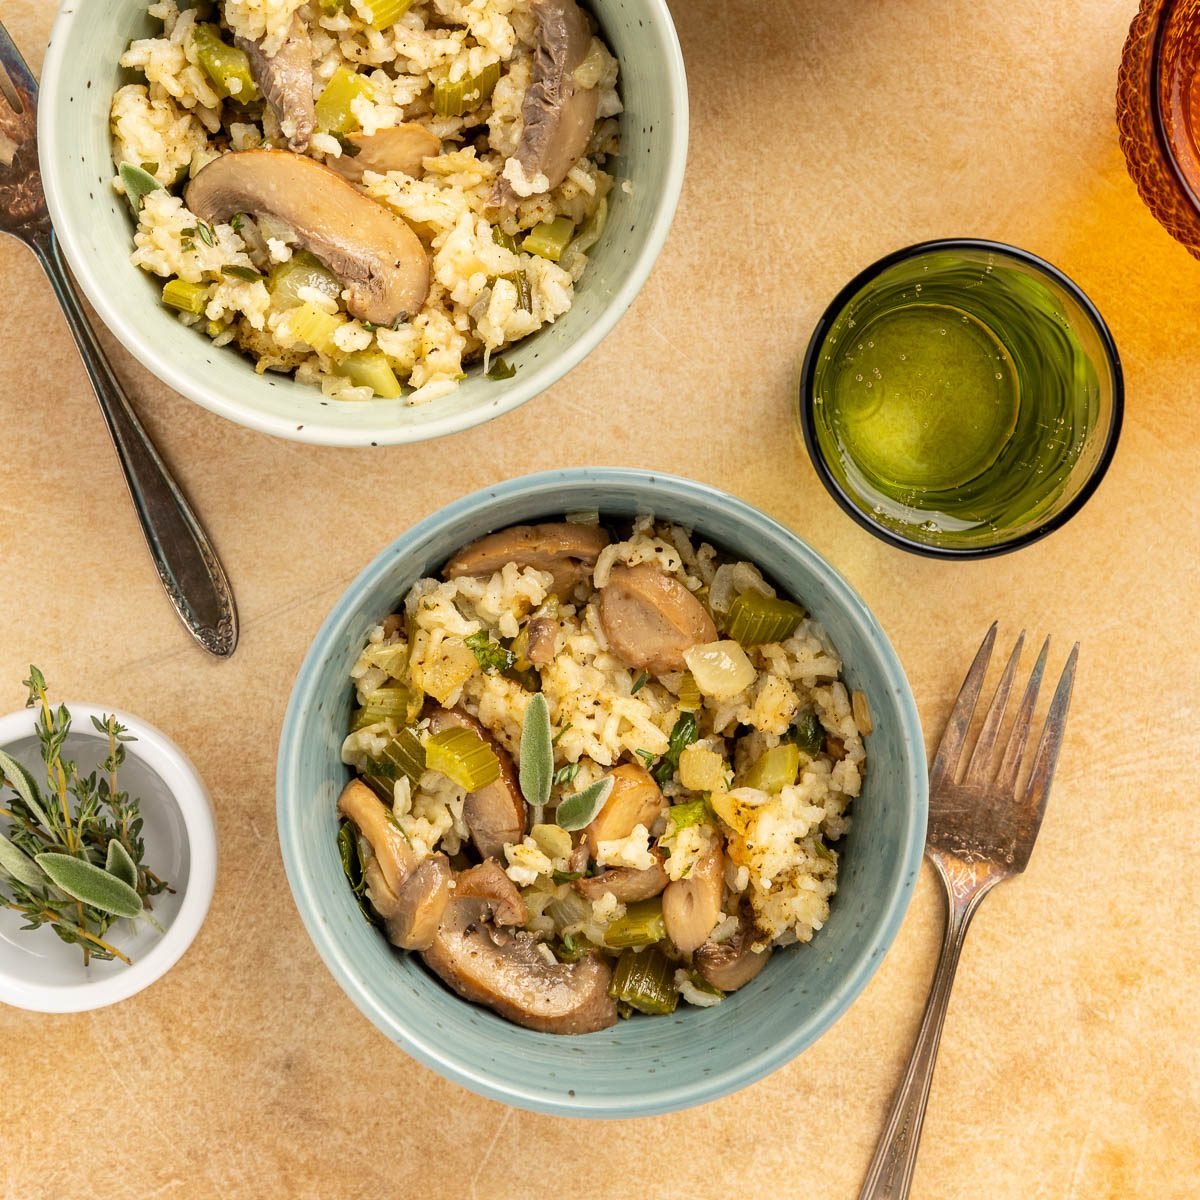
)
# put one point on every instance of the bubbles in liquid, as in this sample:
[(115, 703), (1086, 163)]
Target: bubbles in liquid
[(858, 379), (999, 375), (942, 332), (931, 527)]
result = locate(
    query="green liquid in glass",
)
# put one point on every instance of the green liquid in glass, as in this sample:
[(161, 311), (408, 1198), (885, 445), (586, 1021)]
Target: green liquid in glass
[(955, 397)]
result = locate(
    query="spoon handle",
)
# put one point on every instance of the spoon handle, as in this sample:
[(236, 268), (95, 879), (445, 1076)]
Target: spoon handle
[(187, 565), (890, 1173)]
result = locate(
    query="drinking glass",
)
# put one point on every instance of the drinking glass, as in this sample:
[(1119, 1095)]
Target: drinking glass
[(961, 398)]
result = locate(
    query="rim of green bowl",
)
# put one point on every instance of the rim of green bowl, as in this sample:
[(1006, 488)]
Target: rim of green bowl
[(554, 487), (525, 386), (845, 501)]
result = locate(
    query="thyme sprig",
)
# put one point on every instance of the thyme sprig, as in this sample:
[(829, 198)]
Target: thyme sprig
[(71, 853)]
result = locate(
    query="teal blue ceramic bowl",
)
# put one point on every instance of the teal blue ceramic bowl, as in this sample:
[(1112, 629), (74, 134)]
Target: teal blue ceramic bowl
[(648, 1064), (92, 222)]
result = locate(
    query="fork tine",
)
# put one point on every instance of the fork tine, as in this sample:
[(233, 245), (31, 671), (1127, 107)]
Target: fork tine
[(950, 748), (17, 69), (1010, 764), (1050, 743), (979, 767)]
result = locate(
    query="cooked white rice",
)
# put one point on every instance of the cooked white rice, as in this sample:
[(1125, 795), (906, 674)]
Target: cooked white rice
[(777, 856), (175, 122)]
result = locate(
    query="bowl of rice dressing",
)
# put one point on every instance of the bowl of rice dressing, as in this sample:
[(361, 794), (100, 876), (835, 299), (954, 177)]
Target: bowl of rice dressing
[(808, 924), (362, 222)]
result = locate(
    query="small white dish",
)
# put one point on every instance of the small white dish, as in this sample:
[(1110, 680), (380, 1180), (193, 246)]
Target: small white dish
[(42, 973)]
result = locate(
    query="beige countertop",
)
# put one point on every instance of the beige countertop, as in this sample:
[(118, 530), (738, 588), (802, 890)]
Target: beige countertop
[(825, 133)]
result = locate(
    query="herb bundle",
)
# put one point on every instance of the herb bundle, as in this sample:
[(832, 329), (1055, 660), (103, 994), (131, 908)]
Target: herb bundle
[(71, 855)]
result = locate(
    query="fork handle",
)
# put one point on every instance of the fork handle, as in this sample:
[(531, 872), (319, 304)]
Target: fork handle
[(890, 1173), (187, 565)]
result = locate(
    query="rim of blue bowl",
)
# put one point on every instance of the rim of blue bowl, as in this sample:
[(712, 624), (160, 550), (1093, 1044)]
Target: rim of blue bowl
[(651, 1100), (809, 369), (522, 388)]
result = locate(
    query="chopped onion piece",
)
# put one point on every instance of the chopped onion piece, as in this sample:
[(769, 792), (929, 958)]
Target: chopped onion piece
[(721, 669)]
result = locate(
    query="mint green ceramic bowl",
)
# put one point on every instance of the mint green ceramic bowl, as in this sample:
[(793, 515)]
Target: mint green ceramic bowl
[(648, 1064), (93, 224)]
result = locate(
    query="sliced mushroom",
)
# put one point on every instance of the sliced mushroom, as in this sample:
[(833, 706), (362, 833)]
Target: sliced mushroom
[(400, 148), (396, 858), (495, 814), (408, 894), (543, 637), (692, 906), (411, 918), (285, 79), (628, 884), (489, 883), (732, 964), (376, 256), (650, 618), (557, 114), (509, 973), (567, 551), (634, 800)]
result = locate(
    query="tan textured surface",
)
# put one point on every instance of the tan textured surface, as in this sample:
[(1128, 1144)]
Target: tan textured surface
[(824, 135)]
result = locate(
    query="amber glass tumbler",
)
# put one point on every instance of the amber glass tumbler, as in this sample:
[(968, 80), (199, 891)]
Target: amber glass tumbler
[(1158, 113)]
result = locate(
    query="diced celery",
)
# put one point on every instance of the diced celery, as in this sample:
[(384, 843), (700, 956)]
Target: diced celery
[(755, 618), (402, 757), (463, 756), (642, 925), (187, 297), (590, 231), (333, 112), (370, 368), (774, 769), (392, 658), (302, 270), (683, 816), (387, 12), (456, 99), (227, 67), (398, 703), (549, 239), (701, 769), (310, 324), (808, 733), (721, 668), (646, 981), (689, 694), (139, 183)]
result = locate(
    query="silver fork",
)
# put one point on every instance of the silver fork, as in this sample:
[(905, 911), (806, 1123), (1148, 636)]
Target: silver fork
[(981, 831), (187, 564)]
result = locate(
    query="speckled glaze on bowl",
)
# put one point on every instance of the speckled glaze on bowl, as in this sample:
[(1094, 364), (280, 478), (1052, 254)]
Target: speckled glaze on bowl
[(646, 1065), (93, 224)]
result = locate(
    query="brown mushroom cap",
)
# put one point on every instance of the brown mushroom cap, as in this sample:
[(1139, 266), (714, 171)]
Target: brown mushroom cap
[(566, 550), (628, 884), (635, 799), (409, 895), (400, 148), (376, 256), (650, 618), (509, 974), (543, 638), (488, 882), (285, 79), (496, 814), (692, 906), (732, 964), (412, 917), (557, 114)]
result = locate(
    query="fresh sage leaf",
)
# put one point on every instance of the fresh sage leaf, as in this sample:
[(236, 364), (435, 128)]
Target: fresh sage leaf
[(138, 185), (580, 810), (25, 787), (19, 865), (92, 885), (120, 865), (537, 752)]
